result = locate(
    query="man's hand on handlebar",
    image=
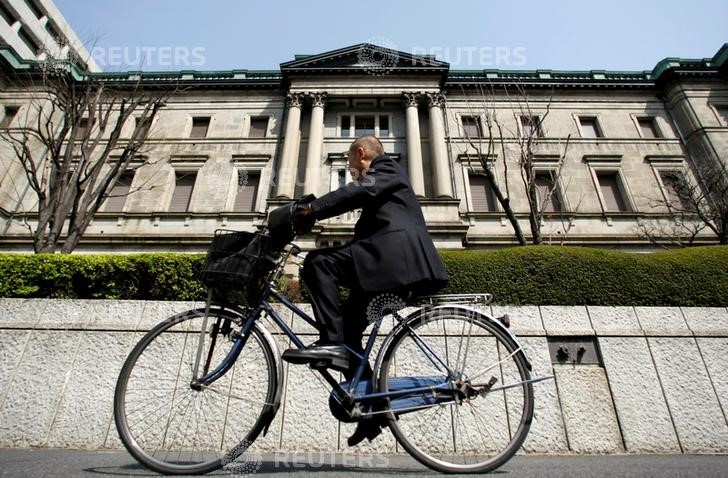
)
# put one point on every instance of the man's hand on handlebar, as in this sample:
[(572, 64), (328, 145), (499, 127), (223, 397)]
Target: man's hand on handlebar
[(303, 219)]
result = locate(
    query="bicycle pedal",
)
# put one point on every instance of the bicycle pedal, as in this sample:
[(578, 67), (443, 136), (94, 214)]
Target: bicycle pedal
[(339, 365), (319, 364)]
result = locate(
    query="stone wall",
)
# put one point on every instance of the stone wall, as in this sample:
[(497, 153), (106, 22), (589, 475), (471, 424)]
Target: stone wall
[(662, 386)]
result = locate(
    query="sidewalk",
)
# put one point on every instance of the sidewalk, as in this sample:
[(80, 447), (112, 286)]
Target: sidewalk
[(72, 463)]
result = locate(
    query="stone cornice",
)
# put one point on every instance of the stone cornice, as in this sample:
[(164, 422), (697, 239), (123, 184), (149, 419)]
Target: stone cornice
[(340, 61)]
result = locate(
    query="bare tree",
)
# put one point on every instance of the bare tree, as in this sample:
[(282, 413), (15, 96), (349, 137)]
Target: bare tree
[(693, 206), (540, 187), (71, 147)]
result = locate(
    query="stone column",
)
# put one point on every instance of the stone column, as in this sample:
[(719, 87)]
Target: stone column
[(414, 145), (441, 180), (286, 183), (315, 145)]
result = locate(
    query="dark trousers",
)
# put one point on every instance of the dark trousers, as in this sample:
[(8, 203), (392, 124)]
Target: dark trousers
[(324, 272)]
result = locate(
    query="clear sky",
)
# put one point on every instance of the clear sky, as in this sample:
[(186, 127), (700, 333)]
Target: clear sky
[(519, 35)]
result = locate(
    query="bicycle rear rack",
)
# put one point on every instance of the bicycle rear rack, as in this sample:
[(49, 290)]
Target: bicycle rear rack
[(482, 299)]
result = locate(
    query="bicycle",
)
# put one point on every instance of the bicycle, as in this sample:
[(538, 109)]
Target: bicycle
[(196, 368)]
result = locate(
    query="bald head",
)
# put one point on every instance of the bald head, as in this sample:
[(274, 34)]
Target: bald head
[(361, 153), (372, 146)]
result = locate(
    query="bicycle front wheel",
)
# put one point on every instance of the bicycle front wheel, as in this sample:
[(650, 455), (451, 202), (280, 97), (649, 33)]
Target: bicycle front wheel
[(484, 418), (173, 426)]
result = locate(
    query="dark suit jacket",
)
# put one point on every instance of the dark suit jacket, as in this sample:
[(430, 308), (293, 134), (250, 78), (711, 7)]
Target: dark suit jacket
[(391, 248)]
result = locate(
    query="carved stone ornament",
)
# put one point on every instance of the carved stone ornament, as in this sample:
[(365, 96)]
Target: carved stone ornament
[(435, 100), (318, 99), (410, 99), (295, 100)]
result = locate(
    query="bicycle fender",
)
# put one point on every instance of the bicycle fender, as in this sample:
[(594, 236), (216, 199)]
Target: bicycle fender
[(433, 309)]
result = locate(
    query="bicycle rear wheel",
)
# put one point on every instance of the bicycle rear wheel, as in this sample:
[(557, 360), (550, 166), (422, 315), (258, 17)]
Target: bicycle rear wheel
[(476, 430), (173, 427)]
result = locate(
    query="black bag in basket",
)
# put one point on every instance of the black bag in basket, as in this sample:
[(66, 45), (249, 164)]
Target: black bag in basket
[(237, 266)]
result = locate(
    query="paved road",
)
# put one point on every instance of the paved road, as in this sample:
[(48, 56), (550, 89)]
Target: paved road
[(67, 463)]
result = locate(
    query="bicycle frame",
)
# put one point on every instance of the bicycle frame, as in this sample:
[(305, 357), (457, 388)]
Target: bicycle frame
[(265, 306), (418, 366), (348, 397)]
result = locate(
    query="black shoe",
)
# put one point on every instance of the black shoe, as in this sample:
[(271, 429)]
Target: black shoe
[(368, 428), (320, 356)]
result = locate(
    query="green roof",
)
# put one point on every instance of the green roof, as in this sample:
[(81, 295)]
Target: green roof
[(274, 78)]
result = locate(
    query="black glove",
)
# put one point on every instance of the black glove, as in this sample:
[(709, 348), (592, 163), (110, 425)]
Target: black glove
[(303, 219)]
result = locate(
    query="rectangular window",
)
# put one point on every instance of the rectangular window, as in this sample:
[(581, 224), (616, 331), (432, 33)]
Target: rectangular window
[(183, 185), (345, 126), (383, 126), (648, 129), (200, 125), (10, 113), (471, 127), (611, 190), (258, 127), (589, 127), (7, 15), (81, 129), (363, 125), (30, 42), (54, 32), (530, 127), (545, 186), (481, 194), (342, 178), (723, 113), (35, 8), (117, 197), (675, 188), (247, 191)]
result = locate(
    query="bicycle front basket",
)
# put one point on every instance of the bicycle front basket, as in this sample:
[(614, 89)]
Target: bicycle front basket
[(237, 266)]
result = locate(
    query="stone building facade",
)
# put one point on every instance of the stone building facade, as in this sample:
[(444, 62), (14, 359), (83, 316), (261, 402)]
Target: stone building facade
[(228, 146)]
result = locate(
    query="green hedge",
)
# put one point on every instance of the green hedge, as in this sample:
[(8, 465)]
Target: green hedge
[(523, 275), (137, 276), (551, 275)]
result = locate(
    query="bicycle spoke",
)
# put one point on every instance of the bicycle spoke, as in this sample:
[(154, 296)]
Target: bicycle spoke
[(183, 415), (491, 367), (163, 405), (432, 357), (447, 436), (161, 431), (237, 397), (173, 427), (467, 346)]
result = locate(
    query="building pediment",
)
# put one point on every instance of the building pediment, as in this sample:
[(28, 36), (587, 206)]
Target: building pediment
[(364, 59)]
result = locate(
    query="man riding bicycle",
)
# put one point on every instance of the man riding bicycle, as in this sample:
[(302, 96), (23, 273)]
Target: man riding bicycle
[(391, 251)]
